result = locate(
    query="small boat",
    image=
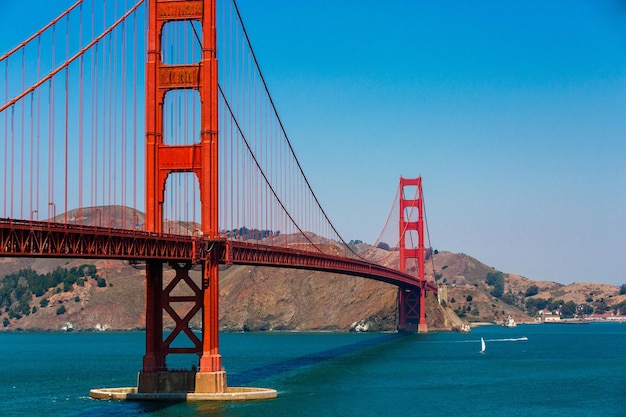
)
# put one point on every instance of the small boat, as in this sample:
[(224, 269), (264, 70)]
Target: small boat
[(482, 345)]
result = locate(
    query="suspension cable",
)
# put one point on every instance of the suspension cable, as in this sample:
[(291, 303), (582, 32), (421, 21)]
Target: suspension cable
[(72, 59), (285, 132), (39, 32), (263, 173)]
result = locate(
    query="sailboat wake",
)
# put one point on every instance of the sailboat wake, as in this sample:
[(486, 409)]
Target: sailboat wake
[(517, 339)]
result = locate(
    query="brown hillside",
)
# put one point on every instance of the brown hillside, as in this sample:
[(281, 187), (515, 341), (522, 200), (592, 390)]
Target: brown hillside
[(261, 298), (252, 298)]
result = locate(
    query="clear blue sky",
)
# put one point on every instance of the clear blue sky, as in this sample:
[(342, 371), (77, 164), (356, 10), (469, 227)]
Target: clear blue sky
[(513, 112)]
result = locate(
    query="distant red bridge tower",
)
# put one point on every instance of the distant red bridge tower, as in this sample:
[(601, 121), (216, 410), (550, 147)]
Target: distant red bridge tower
[(412, 304), (162, 160)]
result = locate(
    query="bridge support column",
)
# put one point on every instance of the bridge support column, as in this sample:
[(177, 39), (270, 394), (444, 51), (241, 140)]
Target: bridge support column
[(412, 311), (155, 376), (412, 302), (154, 359), (211, 378)]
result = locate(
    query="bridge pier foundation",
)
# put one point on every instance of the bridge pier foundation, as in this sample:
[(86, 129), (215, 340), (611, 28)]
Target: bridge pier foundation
[(167, 382), (155, 377), (412, 311), (208, 383)]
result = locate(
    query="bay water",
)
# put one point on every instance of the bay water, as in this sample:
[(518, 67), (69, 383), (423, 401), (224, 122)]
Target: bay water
[(530, 370)]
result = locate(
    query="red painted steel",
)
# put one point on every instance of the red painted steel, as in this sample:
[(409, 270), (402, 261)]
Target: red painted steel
[(200, 158), (23, 238), (154, 359), (412, 303)]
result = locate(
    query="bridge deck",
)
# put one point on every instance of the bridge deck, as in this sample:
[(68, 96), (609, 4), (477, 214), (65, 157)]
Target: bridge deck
[(22, 238)]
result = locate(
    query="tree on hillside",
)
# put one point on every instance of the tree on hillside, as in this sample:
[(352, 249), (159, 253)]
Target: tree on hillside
[(555, 304), (602, 307), (532, 290), (621, 308), (568, 309), (535, 304), (509, 298), (383, 246), (496, 279), (587, 309), (622, 289)]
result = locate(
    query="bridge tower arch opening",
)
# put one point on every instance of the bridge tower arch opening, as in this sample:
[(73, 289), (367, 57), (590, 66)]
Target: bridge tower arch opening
[(412, 301), (168, 74)]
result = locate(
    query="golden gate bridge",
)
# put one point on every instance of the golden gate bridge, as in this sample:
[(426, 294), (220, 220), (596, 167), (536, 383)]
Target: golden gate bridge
[(113, 110)]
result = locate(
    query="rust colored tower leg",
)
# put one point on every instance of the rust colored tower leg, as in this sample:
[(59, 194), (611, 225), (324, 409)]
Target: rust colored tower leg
[(211, 377), (422, 326), (154, 359), (401, 310)]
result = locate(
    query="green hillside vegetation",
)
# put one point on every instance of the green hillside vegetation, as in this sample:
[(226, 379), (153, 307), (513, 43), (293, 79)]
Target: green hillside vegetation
[(17, 290)]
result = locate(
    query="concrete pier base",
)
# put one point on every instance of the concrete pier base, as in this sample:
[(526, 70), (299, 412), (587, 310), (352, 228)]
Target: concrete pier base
[(166, 381), (210, 382), (182, 386), (419, 327), (422, 327), (181, 381), (231, 394)]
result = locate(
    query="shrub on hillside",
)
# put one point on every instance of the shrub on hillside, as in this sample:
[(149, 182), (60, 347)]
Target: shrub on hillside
[(496, 279), (532, 290)]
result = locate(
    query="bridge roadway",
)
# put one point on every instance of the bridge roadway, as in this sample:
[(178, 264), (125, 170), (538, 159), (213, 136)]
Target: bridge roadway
[(24, 238)]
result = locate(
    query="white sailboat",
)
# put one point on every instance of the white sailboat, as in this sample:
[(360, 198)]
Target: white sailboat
[(482, 345)]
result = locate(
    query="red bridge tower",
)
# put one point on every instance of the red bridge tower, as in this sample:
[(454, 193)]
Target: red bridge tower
[(412, 303), (200, 158)]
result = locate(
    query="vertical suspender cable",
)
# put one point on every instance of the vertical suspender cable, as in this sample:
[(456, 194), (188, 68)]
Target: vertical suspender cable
[(94, 117), (22, 162), (6, 142), (113, 117), (81, 110), (123, 122), (106, 74), (67, 118), (38, 139), (134, 191), (67, 142), (12, 158), (32, 152), (51, 203)]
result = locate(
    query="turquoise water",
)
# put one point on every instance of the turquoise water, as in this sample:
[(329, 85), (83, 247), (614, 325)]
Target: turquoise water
[(561, 370)]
